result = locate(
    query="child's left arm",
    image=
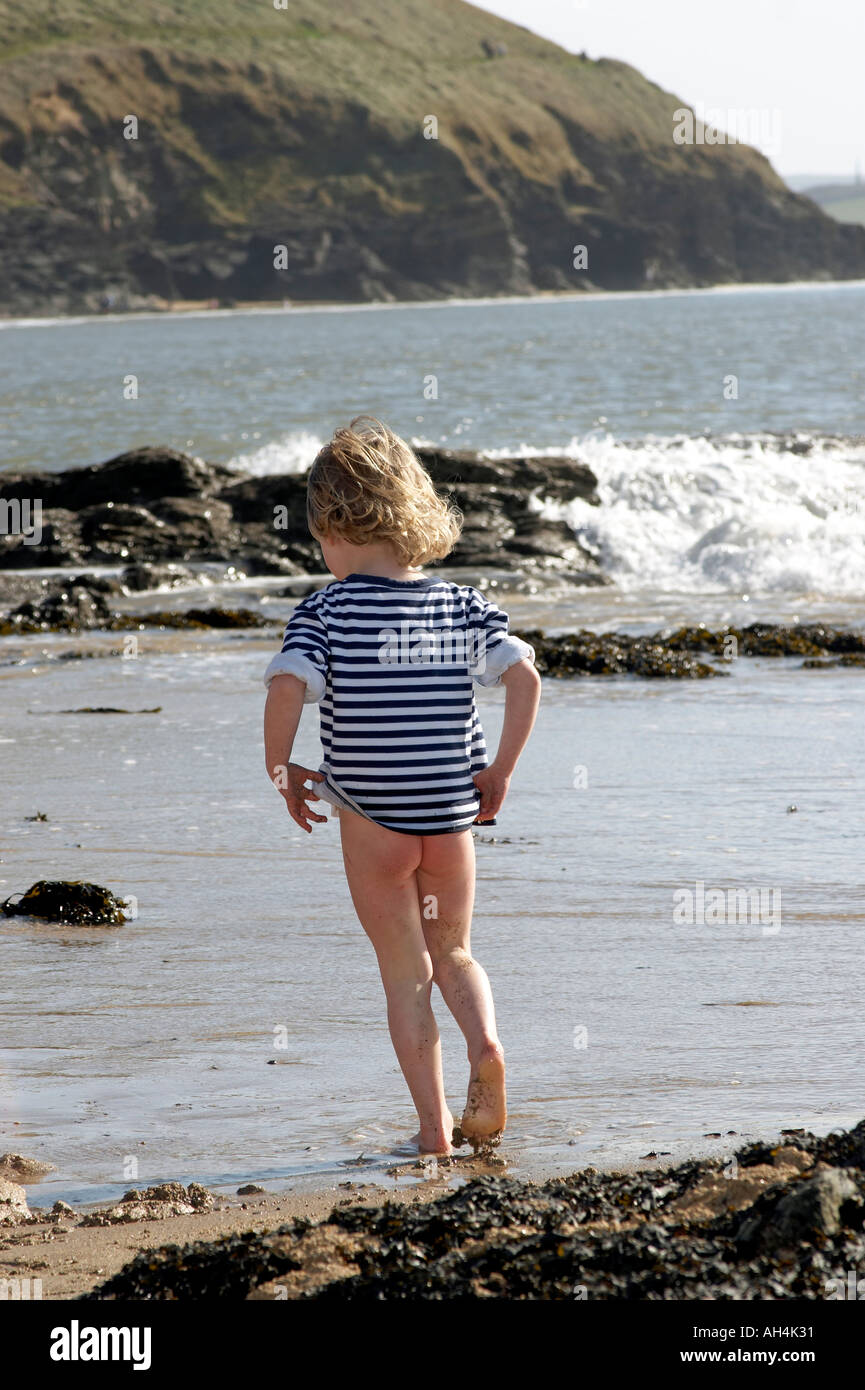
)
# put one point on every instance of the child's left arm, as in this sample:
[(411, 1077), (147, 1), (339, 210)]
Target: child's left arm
[(285, 700), (507, 660), (522, 696)]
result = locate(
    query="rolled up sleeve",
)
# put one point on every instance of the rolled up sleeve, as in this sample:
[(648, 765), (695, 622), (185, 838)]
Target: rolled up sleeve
[(305, 653), (494, 648)]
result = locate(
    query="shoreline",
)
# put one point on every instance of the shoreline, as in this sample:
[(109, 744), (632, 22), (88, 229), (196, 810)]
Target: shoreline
[(72, 1258), (193, 308), (773, 1221)]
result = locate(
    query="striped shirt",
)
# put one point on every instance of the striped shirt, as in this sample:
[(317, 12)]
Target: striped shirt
[(391, 664)]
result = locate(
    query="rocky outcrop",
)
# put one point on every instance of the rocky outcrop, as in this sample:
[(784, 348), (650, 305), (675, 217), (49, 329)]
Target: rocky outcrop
[(818, 1207), (363, 152), (155, 506), (672, 655), (613, 654)]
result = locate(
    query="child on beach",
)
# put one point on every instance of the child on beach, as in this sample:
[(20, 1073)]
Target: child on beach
[(390, 654)]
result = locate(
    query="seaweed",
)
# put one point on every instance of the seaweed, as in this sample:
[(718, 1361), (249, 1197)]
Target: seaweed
[(73, 902)]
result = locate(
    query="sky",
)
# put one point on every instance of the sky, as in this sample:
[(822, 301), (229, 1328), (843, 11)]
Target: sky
[(797, 67)]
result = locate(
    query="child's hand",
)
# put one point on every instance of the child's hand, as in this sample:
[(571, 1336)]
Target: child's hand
[(493, 787), (290, 785)]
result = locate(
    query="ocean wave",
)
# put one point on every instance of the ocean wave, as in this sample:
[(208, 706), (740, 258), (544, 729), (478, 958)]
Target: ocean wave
[(291, 453), (759, 513), (756, 513)]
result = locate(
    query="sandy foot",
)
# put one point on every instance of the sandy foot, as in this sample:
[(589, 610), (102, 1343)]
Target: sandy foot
[(485, 1115), (435, 1146)]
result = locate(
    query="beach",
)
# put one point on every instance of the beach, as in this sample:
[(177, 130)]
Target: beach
[(773, 1222), (232, 1031)]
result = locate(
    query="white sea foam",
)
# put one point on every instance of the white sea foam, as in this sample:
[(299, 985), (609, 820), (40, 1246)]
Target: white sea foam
[(741, 514), (291, 453), (738, 514)]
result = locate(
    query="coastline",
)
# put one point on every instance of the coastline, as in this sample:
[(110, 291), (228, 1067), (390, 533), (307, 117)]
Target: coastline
[(72, 1258), (193, 308), (781, 1220)]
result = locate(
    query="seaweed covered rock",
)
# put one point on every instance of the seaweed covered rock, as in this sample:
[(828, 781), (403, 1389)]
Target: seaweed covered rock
[(81, 605), (657, 1235), (69, 901), (766, 639), (74, 605), (586, 653), (228, 1268), (816, 1207), (672, 655), (838, 1149)]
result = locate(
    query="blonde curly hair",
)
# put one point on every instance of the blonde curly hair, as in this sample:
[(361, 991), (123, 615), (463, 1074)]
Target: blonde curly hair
[(366, 485)]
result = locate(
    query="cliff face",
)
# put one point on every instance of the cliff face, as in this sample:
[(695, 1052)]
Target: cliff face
[(304, 128)]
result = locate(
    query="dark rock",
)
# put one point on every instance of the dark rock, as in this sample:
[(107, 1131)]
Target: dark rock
[(199, 526), (69, 606), (60, 542), (139, 476), (112, 531), (817, 1206), (612, 654), (767, 639), (192, 618), (140, 577), (553, 549), (561, 479), (153, 507), (77, 903)]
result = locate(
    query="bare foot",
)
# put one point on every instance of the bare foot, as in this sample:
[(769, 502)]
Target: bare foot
[(436, 1142), (486, 1114)]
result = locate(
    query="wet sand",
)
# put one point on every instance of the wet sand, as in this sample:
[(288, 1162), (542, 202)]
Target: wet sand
[(779, 1221), (71, 1259)]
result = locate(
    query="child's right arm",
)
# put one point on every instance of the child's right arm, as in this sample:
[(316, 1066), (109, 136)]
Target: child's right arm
[(282, 709)]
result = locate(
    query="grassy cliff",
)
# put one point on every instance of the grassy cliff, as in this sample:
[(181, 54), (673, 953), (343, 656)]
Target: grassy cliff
[(303, 127)]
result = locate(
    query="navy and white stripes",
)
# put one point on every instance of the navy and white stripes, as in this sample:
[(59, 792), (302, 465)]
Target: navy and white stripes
[(391, 664)]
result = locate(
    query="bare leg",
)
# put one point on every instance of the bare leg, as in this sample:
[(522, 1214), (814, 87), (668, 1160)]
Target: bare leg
[(446, 887), (380, 866)]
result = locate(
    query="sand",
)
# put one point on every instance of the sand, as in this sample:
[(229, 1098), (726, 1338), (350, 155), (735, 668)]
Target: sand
[(71, 1259)]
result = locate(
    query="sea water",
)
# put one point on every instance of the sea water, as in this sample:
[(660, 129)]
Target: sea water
[(235, 1028)]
